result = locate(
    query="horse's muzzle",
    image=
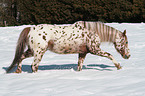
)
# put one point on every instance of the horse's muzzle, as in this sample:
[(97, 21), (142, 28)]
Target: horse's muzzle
[(127, 56)]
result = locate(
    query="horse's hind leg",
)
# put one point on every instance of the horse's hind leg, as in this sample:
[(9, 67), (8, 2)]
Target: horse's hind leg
[(81, 60), (38, 54), (25, 55)]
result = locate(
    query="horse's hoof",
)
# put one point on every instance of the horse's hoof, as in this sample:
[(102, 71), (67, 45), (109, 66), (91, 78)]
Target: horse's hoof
[(118, 66), (19, 70), (79, 68), (34, 68), (34, 71)]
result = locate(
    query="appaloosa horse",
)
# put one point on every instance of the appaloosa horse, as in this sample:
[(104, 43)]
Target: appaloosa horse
[(81, 37)]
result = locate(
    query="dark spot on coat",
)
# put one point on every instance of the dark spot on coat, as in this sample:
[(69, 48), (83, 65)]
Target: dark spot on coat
[(41, 27), (82, 35), (39, 59), (44, 37), (111, 59), (80, 27), (59, 42), (35, 60), (45, 33), (63, 32), (69, 37), (32, 41), (34, 28), (61, 49), (66, 50), (36, 55)]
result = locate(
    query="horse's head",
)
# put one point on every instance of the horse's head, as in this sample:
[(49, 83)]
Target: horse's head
[(121, 45)]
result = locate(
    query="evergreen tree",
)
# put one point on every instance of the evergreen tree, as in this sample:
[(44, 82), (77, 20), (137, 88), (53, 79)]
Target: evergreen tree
[(69, 11)]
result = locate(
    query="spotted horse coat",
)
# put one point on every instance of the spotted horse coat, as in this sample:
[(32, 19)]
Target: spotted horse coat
[(81, 37)]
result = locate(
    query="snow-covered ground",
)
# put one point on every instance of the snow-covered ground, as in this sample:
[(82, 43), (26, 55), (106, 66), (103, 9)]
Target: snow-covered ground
[(57, 76)]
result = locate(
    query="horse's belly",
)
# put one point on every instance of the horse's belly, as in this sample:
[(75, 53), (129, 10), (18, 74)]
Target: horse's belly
[(65, 49), (68, 47)]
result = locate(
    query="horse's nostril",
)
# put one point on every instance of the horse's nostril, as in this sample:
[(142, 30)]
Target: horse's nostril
[(127, 57)]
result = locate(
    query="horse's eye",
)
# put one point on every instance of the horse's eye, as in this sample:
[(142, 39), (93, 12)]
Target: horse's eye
[(126, 42)]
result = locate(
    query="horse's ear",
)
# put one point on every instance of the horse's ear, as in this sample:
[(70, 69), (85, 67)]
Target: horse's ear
[(124, 33)]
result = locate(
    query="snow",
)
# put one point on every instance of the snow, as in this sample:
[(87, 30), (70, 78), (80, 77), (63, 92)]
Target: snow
[(57, 75)]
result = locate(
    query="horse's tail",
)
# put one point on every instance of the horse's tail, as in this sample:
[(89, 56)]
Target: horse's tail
[(21, 44)]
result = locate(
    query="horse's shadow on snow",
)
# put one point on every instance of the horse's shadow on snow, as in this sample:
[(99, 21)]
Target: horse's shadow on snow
[(99, 67)]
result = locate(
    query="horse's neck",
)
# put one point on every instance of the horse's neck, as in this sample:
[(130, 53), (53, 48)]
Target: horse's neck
[(106, 33)]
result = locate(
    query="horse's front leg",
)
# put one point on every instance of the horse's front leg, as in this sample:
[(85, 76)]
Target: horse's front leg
[(108, 55), (81, 60)]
